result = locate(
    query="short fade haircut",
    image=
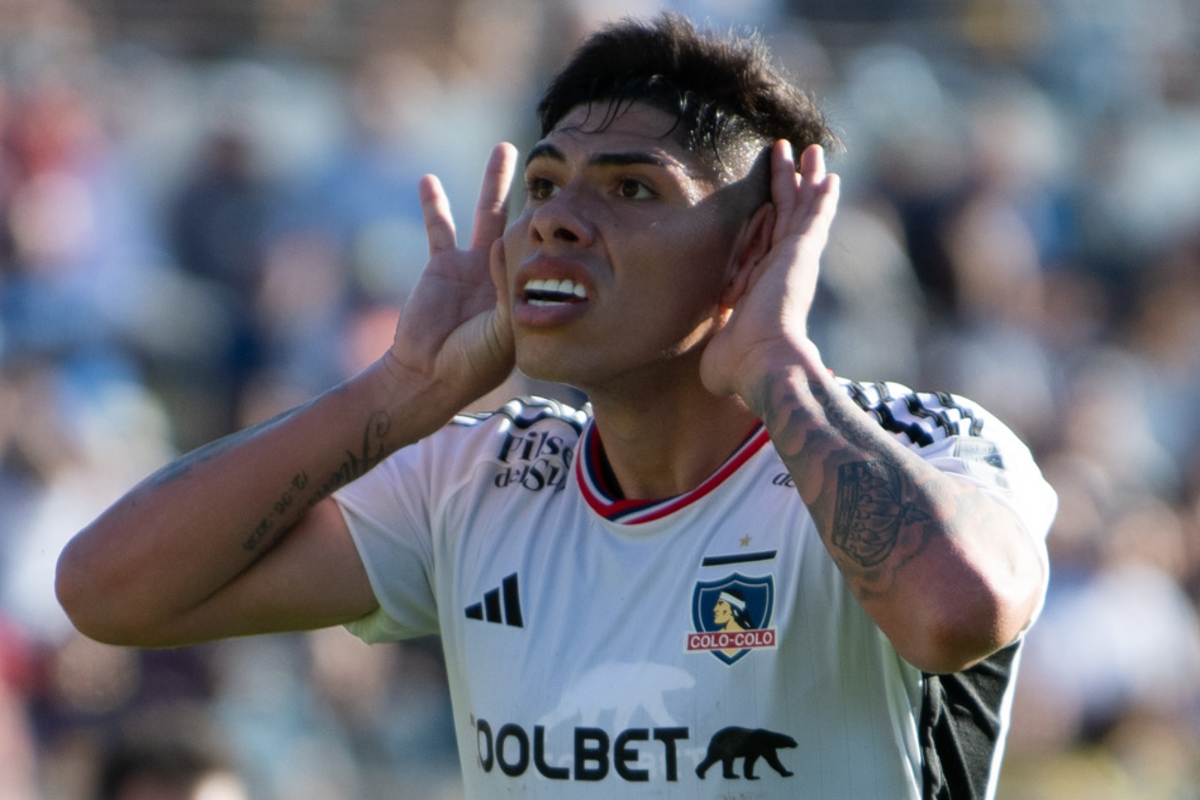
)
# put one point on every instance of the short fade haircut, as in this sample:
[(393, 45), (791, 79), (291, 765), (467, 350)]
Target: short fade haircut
[(729, 100)]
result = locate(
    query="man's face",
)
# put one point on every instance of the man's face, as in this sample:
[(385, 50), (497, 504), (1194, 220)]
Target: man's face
[(617, 262)]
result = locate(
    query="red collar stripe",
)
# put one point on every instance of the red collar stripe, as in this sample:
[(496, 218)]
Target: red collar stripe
[(590, 474)]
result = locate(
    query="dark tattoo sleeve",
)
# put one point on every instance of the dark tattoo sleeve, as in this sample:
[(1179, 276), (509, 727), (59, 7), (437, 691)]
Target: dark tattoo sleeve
[(870, 511), (875, 522)]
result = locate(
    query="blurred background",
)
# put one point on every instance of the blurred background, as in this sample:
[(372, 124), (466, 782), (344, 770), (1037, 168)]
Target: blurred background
[(208, 213)]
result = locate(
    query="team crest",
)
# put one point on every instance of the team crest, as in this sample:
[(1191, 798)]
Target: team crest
[(732, 616)]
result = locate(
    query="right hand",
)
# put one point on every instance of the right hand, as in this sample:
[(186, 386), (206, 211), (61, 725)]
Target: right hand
[(455, 330)]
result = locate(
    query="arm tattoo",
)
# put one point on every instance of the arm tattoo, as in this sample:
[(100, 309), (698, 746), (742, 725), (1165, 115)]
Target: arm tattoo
[(870, 511), (353, 465), (873, 527)]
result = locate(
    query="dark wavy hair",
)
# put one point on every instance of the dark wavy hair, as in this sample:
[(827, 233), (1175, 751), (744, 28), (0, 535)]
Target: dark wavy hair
[(729, 100)]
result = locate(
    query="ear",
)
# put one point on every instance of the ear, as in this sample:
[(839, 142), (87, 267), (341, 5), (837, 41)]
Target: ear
[(751, 246)]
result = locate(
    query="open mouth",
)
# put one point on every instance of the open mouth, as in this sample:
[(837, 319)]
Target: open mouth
[(552, 292)]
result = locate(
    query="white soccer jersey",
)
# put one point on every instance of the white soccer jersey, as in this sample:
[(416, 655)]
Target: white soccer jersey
[(703, 646)]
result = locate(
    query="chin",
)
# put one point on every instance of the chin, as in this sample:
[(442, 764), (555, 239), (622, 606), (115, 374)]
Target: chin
[(541, 361), (535, 359)]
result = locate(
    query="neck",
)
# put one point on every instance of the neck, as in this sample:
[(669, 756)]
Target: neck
[(660, 446)]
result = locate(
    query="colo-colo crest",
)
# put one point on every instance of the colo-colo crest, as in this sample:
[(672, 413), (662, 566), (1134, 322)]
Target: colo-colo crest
[(732, 616)]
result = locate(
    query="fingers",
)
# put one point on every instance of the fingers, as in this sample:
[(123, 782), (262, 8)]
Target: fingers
[(806, 196), (820, 190), (491, 213), (783, 187), (812, 164), (435, 209)]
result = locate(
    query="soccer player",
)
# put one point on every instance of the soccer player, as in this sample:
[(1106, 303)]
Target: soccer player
[(888, 544)]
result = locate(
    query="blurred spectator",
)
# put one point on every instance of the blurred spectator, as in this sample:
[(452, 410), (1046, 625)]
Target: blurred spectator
[(18, 744), (169, 753), (218, 236)]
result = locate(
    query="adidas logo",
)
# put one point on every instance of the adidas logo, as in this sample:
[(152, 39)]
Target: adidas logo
[(501, 605)]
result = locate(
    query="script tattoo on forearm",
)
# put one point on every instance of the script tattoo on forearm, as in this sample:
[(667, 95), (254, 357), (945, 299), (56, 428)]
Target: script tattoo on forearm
[(870, 511), (282, 506), (353, 465)]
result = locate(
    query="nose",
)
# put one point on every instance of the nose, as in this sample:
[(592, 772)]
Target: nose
[(561, 219)]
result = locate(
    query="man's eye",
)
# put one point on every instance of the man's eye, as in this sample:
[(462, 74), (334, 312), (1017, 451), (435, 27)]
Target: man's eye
[(632, 189), (540, 188)]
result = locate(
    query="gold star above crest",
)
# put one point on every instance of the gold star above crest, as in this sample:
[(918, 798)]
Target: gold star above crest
[(744, 541)]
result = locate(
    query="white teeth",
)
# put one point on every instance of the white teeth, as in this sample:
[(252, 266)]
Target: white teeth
[(549, 291)]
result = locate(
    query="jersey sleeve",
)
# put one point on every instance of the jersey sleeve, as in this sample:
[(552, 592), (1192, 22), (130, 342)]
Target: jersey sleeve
[(961, 438), (387, 512), (412, 511)]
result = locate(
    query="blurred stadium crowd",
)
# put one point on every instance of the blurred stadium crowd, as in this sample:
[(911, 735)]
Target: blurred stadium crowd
[(208, 213)]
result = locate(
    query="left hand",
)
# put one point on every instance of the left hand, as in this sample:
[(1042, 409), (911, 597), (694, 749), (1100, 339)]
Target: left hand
[(769, 321)]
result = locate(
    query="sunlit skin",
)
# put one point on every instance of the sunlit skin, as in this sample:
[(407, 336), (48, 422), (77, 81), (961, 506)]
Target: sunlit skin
[(648, 247), (629, 218)]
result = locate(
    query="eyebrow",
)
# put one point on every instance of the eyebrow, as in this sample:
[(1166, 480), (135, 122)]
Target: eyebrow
[(546, 150)]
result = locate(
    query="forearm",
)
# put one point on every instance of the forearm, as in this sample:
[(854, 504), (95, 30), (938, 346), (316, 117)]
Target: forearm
[(944, 569), (191, 529)]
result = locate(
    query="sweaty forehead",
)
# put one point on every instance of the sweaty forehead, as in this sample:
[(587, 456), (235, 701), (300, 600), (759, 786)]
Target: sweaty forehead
[(625, 131)]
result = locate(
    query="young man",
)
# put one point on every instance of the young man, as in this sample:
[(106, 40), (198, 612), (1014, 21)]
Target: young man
[(888, 545)]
